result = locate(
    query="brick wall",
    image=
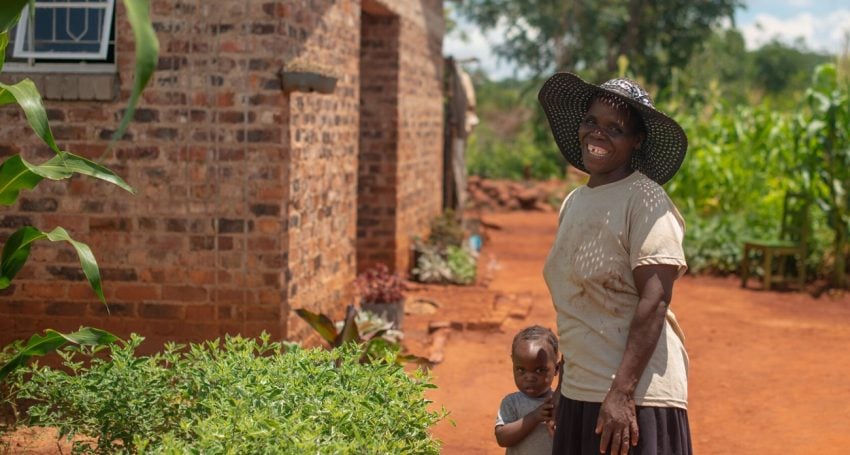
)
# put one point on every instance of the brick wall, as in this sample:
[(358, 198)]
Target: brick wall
[(247, 197), (379, 117), (410, 157)]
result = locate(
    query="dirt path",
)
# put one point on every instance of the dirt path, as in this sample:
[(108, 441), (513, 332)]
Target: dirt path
[(768, 370)]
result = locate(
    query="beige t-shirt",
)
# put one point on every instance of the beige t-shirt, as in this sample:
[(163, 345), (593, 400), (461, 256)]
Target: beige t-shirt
[(605, 232)]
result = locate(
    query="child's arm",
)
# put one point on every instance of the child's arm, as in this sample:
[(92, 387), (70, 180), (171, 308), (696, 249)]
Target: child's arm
[(511, 434)]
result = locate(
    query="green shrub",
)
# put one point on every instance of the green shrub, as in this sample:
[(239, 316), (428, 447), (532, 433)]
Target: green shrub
[(236, 396), (462, 264)]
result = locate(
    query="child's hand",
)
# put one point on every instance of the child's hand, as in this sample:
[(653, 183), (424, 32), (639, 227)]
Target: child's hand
[(544, 412)]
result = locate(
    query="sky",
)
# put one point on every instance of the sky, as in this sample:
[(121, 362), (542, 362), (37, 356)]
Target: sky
[(822, 25)]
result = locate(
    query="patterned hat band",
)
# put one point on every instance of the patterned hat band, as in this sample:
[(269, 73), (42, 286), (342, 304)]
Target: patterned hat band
[(565, 98), (629, 89)]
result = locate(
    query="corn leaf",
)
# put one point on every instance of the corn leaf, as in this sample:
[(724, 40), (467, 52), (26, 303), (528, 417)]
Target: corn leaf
[(4, 41), (320, 323), (27, 96), (39, 345), (70, 163), (17, 250), (16, 175), (6, 97), (147, 51), (10, 11)]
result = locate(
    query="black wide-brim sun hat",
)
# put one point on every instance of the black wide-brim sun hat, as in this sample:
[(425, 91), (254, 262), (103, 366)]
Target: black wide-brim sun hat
[(566, 97)]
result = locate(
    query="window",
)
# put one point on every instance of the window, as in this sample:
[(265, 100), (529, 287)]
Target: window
[(65, 31), (67, 48)]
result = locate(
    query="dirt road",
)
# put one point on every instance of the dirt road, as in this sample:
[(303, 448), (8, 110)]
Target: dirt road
[(768, 374)]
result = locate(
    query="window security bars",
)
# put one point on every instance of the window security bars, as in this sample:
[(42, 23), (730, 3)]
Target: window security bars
[(65, 30)]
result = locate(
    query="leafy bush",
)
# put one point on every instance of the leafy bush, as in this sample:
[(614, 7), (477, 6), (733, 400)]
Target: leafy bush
[(444, 257), (462, 264), (740, 163), (236, 396)]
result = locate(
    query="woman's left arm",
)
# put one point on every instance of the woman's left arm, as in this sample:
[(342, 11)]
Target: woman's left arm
[(617, 418)]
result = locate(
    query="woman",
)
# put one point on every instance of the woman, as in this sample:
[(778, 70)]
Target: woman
[(611, 271)]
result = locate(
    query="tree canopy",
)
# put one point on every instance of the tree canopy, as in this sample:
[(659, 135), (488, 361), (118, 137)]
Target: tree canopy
[(590, 37)]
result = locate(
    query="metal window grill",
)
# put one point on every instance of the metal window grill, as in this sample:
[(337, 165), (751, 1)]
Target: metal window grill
[(65, 29)]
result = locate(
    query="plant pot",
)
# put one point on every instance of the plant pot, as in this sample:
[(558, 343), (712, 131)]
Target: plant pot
[(391, 312)]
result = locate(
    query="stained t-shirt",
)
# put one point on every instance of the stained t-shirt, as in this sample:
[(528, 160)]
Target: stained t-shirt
[(516, 406), (606, 232)]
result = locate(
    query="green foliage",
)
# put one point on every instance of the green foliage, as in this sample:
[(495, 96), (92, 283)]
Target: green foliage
[(779, 68), (462, 264), (828, 130), (147, 55), (741, 161), (325, 327), (369, 331), (513, 140), (775, 73), (547, 36), (38, 345), (233, 396), (446, 230), (431, 266), (16, 174), (17, 250), (444, 257)]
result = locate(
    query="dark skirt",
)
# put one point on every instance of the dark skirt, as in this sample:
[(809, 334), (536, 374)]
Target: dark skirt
[(662, 431)]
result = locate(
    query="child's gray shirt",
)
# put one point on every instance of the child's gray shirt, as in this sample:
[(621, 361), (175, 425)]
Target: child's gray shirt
[(516, 406)]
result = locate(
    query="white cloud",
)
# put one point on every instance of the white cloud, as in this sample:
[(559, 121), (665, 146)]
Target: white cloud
[(820, 33)]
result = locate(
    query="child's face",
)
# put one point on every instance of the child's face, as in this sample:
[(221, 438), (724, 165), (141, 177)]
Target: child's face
[(534, 367)]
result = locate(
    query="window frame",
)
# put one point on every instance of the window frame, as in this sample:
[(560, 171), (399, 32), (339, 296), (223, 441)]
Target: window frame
[(83, 57)]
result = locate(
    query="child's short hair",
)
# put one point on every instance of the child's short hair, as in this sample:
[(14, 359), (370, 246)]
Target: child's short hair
[(536, 333)]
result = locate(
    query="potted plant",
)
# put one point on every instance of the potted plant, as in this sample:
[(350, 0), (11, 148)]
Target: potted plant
[(382, 293)]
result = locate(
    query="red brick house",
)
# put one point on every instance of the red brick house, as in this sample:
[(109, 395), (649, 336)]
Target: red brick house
[(281, 146)]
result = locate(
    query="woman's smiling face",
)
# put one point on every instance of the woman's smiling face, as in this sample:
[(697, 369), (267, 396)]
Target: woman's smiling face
[(608, 135)]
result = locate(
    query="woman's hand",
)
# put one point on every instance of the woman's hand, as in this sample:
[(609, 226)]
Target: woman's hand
[(617, 423)]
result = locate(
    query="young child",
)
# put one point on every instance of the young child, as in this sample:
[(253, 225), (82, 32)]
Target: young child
[(524, 424)]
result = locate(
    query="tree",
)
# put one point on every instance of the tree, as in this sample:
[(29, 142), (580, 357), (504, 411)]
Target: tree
[(779, 68), (591, 36)]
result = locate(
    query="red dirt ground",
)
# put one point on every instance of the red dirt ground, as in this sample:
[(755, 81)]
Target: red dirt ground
[(768, 370)]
